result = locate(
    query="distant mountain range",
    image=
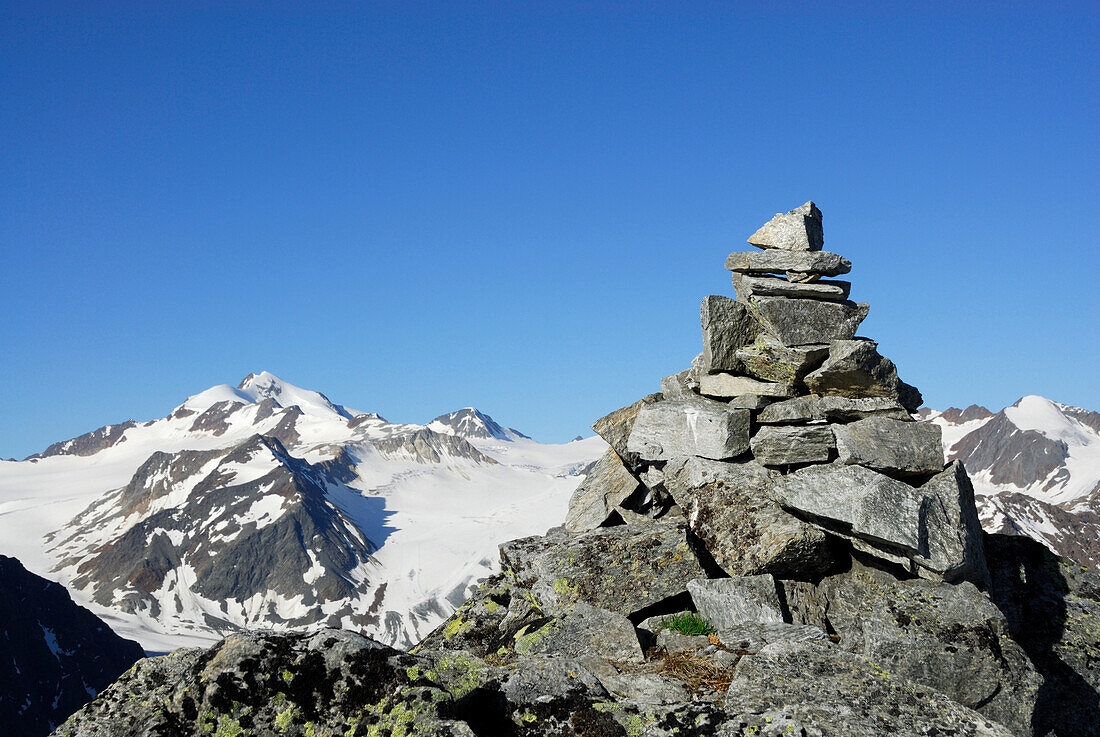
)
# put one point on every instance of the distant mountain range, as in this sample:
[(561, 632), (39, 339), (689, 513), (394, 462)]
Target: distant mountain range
[(267, 505), (1036, 470)]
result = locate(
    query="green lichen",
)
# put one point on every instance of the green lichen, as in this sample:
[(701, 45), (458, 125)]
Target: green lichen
[(531, 642), (459, 673), (413, 673), (284, 719), (456, 626), (562, 587), (287, 676)]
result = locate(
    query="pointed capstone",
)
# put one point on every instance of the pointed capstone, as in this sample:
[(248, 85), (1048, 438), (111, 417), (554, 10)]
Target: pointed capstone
[(798, 230)]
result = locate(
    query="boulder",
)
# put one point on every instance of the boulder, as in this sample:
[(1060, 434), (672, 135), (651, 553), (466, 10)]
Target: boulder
[(797, 230), (891, 446), (834, 409), (795, 322), (697, 426), (623, 569), (855, 369), (778, 445), (770, 360), (955, 550), (816, 263), (856, 500), (615, 428), (648, 689), (725, 386), (730, 512), (595, 499), (948, 637), (727, 325), (753, 637), (585, 630), (798, 687), (750, 401), (678, 386), (728, 602), (748, 286)]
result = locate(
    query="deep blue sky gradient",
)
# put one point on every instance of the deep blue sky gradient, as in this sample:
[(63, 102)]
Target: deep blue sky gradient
[(414, 207)]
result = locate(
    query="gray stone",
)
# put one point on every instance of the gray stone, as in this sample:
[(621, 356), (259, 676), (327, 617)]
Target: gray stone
[(855, 369), (537, 680), (777, 445), (748, 286), (699, 427), (646, 688), (770, 360), (728, 385), (891, 446), (729, 602), (673, 642), (807, 321), (623, 569), (677, 386), (615, 428), (653, 478), (585, 630), (948, 637), (751, 402), (817, 263), (813, 408), (729, 510), (603, 489), (753, 637), (863, 502), (656, 624), (727, 325), (833, 692), (797, 230), (955, 549)]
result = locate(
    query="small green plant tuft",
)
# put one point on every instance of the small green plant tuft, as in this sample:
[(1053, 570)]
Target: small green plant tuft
[(688, 623)]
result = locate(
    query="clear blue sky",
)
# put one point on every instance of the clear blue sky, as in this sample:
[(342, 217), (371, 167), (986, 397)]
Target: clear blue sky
[(415, 207)]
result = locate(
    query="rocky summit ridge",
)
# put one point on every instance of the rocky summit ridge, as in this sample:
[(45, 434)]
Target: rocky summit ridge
[(771, 546)]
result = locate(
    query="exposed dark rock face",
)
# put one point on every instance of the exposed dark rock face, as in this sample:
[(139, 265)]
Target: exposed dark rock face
[(55, 656), (470, 423), (89, 443), (1011, 455)]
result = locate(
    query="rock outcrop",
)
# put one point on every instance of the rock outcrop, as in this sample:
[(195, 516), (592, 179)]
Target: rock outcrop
[(771, 546)]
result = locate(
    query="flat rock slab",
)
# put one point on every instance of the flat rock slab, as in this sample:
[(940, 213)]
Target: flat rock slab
[(769, 360), (955, 550), (816, 263), (728, 602), (948, 637), (584, 631), (727, 325), (603, 489), (832, 692), (681, 427), (891, 446), (778, 445), (623, 569), (747, 286), (813, 408), (615, 428), (795, 322), (646, 689), (855, 369), (754, 637), (726, 386), (797, 230), (730, 511), (865, 503)]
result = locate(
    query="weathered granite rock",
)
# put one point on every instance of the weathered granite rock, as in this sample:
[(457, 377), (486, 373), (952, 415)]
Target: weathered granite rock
[(947, 637), (747, 286), (798, 230), (753, 637), (727, 325), (955, 550), (778, 445), (751, 402), (728, 602), (615, 428), (673, 642), (585, 630), (725, 386), (855, 369), (770, 360), (487, 621), (529, 681), (812, 407), (891, 446), (678, 386), (808, 321), (730, 511), (606, 487), (699, 426), (623, 569), (646, 689), (863, 502), (817, 263), (832, 692)]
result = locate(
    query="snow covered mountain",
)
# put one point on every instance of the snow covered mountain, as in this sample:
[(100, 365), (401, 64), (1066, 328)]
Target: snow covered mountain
[(268, 505), (1036, 470)]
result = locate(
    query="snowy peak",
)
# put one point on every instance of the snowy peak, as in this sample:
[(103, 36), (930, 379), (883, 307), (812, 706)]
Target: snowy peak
[(256, 388), (472, 423), (1050, 419)]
